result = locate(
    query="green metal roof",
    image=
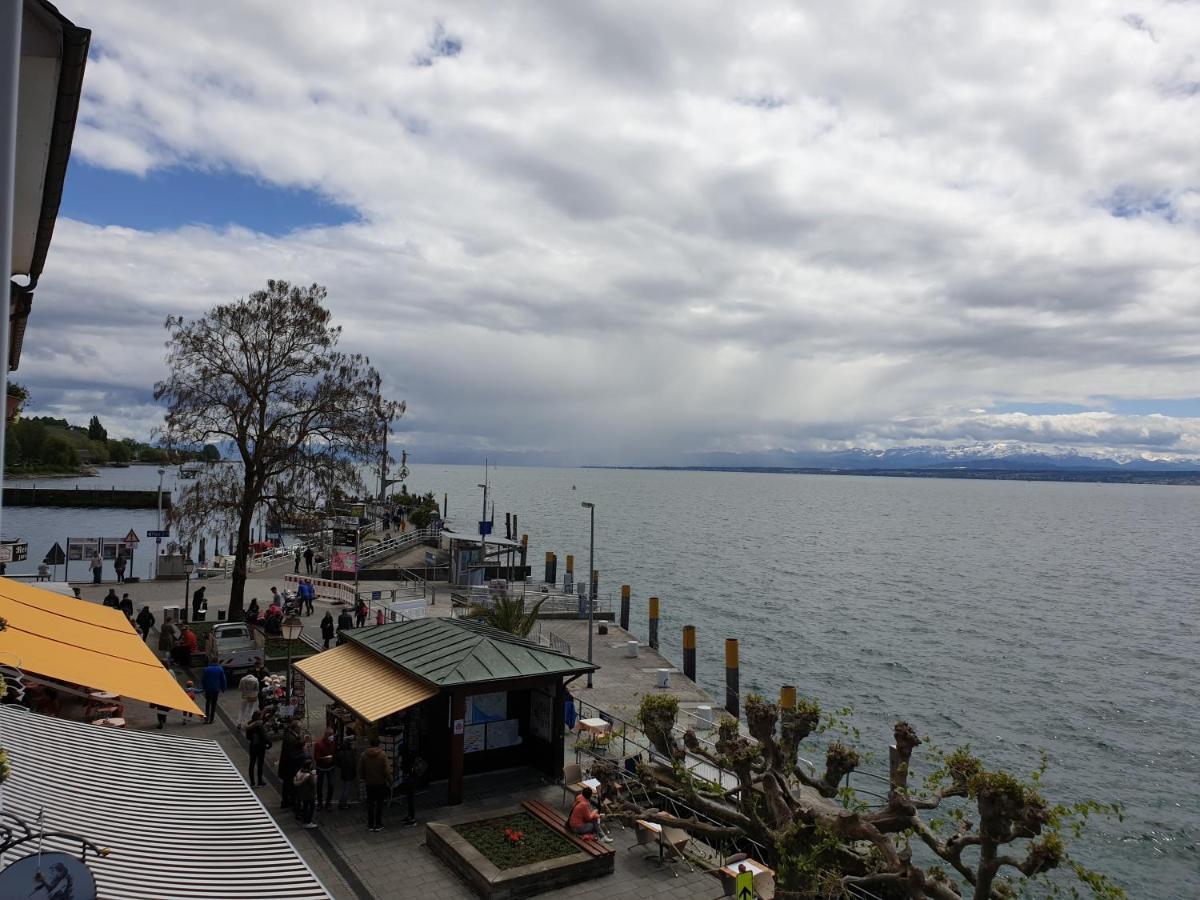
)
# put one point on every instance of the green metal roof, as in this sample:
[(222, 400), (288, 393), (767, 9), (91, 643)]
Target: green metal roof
[(454, 652)]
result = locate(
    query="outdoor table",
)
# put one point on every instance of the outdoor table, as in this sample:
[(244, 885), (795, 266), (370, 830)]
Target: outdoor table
[(656, 829)]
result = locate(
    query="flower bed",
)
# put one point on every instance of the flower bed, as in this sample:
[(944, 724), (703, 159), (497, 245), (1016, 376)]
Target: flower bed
[(514, 840)]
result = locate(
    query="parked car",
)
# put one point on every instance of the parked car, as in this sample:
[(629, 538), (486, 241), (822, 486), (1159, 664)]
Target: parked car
[(232, 645)]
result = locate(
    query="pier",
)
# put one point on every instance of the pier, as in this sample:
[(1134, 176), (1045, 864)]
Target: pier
[(87, 497)]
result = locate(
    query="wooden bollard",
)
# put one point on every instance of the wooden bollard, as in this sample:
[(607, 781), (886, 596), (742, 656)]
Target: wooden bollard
[(625, 606), (551, 573), (654, 623), (570, 563), (731, 677), (689, 651), (787, 696)]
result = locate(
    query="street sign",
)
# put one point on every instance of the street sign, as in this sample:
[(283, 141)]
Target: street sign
[(150, 532), (132, 537), (56, 556), (744, 886), (485, 527), (14, 551)]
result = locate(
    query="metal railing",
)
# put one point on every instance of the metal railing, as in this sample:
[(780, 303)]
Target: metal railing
[(393, 545)]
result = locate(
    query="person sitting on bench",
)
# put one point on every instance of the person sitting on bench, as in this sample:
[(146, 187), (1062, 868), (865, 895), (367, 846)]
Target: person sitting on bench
[(585, 819)]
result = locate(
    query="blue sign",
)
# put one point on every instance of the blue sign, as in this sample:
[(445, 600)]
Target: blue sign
[(166, 532), (485, 527), (376, 596)]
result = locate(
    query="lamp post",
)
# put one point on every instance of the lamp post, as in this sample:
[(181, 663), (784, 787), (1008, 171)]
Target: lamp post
[(158, 524), (292, 627), (188, 568), (591, 508)]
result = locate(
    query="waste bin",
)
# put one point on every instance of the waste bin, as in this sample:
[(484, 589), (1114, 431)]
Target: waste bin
[(170, 614)]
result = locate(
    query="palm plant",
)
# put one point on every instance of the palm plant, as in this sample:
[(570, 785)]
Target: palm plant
[(508, 614)]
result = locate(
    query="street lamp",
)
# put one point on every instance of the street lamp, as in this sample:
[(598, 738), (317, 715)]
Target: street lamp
[(158, 540), (591, 508), (188, 568), (291, 628)]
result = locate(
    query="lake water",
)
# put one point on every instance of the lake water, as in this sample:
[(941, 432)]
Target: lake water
[(1013, 616)]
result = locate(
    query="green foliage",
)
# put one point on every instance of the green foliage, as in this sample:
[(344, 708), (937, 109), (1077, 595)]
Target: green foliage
[(210, 453), (97, 452), (153, 455), (655, 707), (58, 452), (421, 509), (119, 452), (537, 843), (96, 431), (509, 614), (18, 390)]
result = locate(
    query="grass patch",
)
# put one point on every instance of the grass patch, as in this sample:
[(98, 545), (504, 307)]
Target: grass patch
[(537, 844), (279, 647)]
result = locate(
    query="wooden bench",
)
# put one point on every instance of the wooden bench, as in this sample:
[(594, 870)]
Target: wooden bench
[(553, 819)]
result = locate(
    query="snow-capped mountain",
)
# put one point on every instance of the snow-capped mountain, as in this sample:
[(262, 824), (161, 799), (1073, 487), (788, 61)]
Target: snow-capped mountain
[(1013, 455)]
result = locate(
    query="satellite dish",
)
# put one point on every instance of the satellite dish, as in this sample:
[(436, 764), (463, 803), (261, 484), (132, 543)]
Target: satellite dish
[(50, 876)]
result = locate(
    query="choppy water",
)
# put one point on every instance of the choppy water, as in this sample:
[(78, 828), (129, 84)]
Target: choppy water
[(1014, 616)]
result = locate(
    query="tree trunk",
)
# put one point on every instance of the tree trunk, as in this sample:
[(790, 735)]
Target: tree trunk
[(241, 553)]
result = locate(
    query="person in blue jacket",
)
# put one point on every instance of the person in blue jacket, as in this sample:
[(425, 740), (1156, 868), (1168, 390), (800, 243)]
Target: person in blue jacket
[(213, 682)]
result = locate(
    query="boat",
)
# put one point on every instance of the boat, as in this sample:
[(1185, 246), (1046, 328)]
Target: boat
[(189, 471)]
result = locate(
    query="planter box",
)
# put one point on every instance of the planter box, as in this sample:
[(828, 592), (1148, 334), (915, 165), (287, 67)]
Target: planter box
[(493, 883)]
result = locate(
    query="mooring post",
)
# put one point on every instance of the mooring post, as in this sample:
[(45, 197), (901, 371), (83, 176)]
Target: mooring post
[(569, 575), (787, 696), (625, 606), (549, 579), (654, 623), (689, 651), (731, 677)]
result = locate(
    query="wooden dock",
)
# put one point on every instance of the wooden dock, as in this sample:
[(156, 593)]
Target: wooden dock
[(87, 497)]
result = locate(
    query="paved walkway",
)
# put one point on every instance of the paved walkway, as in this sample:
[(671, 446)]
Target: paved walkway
[(356, 864)]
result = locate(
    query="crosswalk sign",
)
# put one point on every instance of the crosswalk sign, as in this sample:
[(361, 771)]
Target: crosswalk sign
[(744, 886)]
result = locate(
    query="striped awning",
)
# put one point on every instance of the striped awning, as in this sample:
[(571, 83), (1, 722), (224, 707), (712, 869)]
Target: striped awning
[(174, 812), (370, 686)]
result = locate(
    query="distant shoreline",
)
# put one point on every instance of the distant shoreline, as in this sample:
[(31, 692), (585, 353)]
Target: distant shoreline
[(1102, 476)]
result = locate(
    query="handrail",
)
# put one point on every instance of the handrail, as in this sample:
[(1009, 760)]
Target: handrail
[(337, 591)]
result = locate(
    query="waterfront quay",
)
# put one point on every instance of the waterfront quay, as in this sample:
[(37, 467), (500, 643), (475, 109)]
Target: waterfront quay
[(355, 863)]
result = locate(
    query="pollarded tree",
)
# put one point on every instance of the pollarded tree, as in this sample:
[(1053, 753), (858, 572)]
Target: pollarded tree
[(263, 375), (984, 834)]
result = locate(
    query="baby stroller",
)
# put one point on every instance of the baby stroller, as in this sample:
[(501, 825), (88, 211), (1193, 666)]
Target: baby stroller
[(292, 604)]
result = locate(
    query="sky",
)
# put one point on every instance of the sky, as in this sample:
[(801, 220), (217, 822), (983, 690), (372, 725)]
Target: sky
[(630, 233)]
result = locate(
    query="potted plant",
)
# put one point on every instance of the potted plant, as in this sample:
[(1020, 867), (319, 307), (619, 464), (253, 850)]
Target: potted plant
[(17, 396)]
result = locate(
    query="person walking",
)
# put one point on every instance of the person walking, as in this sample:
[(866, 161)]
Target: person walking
[(379, 617), (299, 553), (307, 594), (306, 792), (167, 636), (347, 765), (414, 769), (344, 623), (256, 734), (145, 621), (126, 606), (199, 605), (97, 565), (260, 672), (308, 558), (119, 566), (248, 689), (213, 681), (327, 629), (375, 770), (360, 614), (111, 599), (290, 756), (323, 758), (161, 713)]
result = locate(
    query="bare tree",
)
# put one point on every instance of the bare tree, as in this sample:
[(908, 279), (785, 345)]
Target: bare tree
[(822, 839), (263, 374)]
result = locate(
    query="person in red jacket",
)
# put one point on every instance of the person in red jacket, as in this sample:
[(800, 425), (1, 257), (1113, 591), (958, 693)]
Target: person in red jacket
[(585, 819)]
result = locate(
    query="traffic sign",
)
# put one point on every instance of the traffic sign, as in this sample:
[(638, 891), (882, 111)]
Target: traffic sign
[(56, 556), (485, 528), (744, 886), (150, 532), (132, 537)]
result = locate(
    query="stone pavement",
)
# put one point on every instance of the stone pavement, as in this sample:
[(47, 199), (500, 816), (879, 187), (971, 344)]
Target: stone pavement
[(355, 864)]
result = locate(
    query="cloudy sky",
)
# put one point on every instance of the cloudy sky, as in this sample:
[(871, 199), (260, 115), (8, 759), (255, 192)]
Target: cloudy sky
[(628, 232)]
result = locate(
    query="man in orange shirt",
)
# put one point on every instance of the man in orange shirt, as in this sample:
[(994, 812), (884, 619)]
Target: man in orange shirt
[(585, 819)]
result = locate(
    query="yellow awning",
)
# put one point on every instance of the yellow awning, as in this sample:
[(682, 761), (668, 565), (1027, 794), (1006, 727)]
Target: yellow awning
[(369, 686), (82, 643)]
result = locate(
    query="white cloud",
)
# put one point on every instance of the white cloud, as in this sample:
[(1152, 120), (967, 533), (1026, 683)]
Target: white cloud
[(619, 232)]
